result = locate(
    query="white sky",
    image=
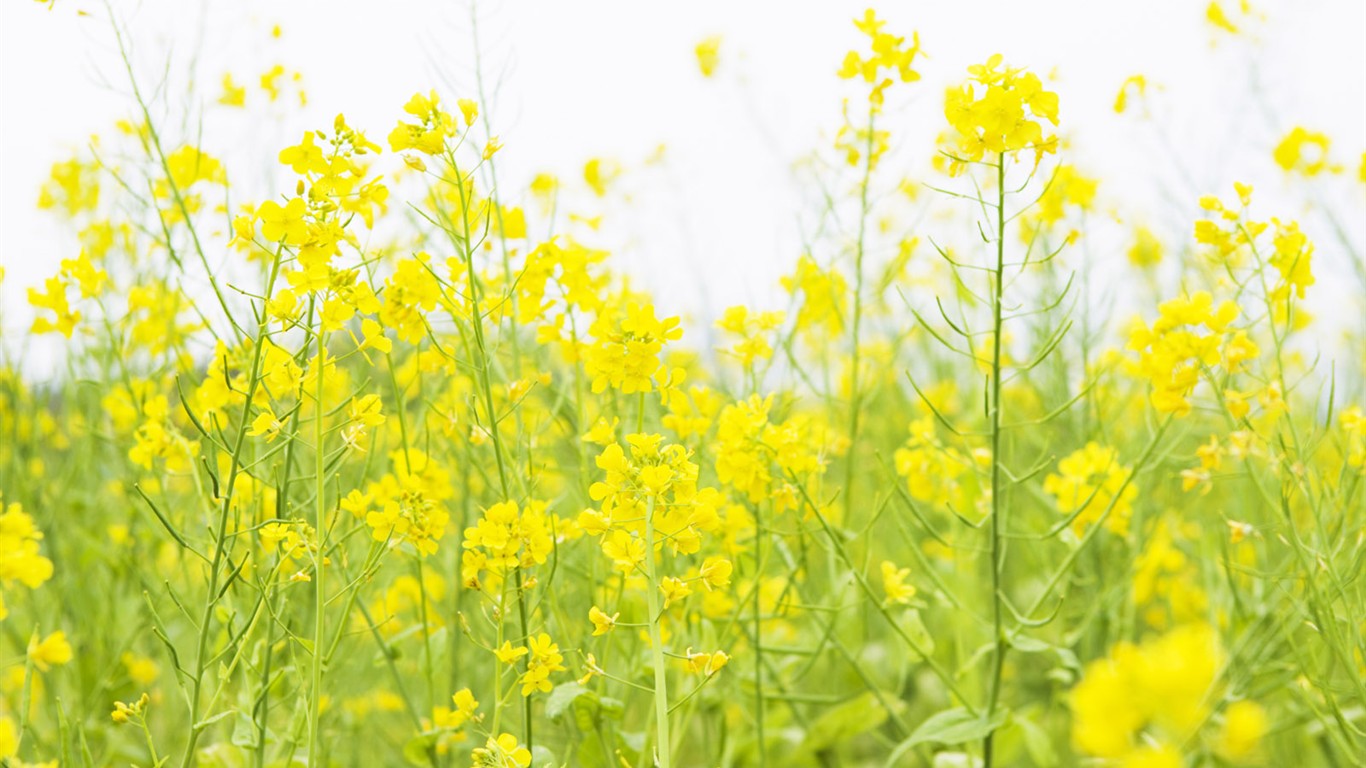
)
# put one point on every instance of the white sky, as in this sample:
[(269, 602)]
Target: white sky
[(581, 79)]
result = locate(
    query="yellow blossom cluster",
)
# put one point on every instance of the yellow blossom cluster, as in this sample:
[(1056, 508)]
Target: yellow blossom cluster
[(399, 427), (760, 458), (506, 538), (1143, 702), (21, 558), (1091, 484), (1304, 152), (935, 473), (1001, 110), (626, 347), (1190, 336)]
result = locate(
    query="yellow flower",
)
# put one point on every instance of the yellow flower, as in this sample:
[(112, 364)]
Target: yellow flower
[(894, 583), (602, 623), (602, 432), (234, 95), (1139, 85), (509, 655), (715, 572), (265, 424), (625, 551), (1187, 338), (544, 659), (706, 663), (429, 135), (53, 649), (1089, 482), (674, 590), (1245, 723), (1214, 14), (125, 711), (469, 110), (502, 752), (465, 706), (283, 224), (53, 298), (598, 173), (306, 157), (999, 111), (20, 551), (889, 56), (367, 409), (1146, 250), (708, 50), (142, 670), (628, 343), (9, 738), (1162, 686)]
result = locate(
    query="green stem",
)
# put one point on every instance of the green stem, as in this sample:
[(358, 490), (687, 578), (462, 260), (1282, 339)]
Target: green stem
[(855, 403), (220, 533), (758, 634), (997, 554), (656, 643), (320, 530)]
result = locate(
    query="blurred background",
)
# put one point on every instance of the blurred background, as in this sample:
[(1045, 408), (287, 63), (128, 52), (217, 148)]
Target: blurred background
[(716, 196)]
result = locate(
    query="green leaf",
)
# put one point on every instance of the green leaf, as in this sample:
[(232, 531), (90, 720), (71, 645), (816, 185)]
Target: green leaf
[(244, 732), (632, 744), (1026, 644), (952, 726), (613, 708), (1037, 743), (844, 721), (590, 755), (542, 757), (565, 696), (915, 628), (418, 749), (208, 721)]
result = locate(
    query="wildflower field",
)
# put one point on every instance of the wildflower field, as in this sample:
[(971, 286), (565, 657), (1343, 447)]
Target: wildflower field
[(390, 462)]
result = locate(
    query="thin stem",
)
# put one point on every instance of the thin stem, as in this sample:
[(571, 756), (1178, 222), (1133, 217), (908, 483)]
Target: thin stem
[(855, 404), (758, 633), (999, 654), (320, 530), (656, 643)]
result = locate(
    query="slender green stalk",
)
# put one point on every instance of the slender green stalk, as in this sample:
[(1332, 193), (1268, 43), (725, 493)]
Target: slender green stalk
[(485, 368), (320, 530), (855, 361), (220, 533), (997, 554), (656, 642), (758, 634)]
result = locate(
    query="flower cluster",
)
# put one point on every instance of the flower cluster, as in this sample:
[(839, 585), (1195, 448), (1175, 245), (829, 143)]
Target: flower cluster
[(1190, 335), (1304, 152), (1166, 584), (506, 538), (502, 751), (1000, 110), (626, 347), (936, 473), (434, 128), (21, 558), (543, 657), (760, 458), (1091, 483), (1142, 702), (406, 506), (750, 330), (889, 56)]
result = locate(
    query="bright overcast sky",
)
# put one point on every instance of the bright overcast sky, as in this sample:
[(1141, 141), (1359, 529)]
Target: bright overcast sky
[(617, 79)]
